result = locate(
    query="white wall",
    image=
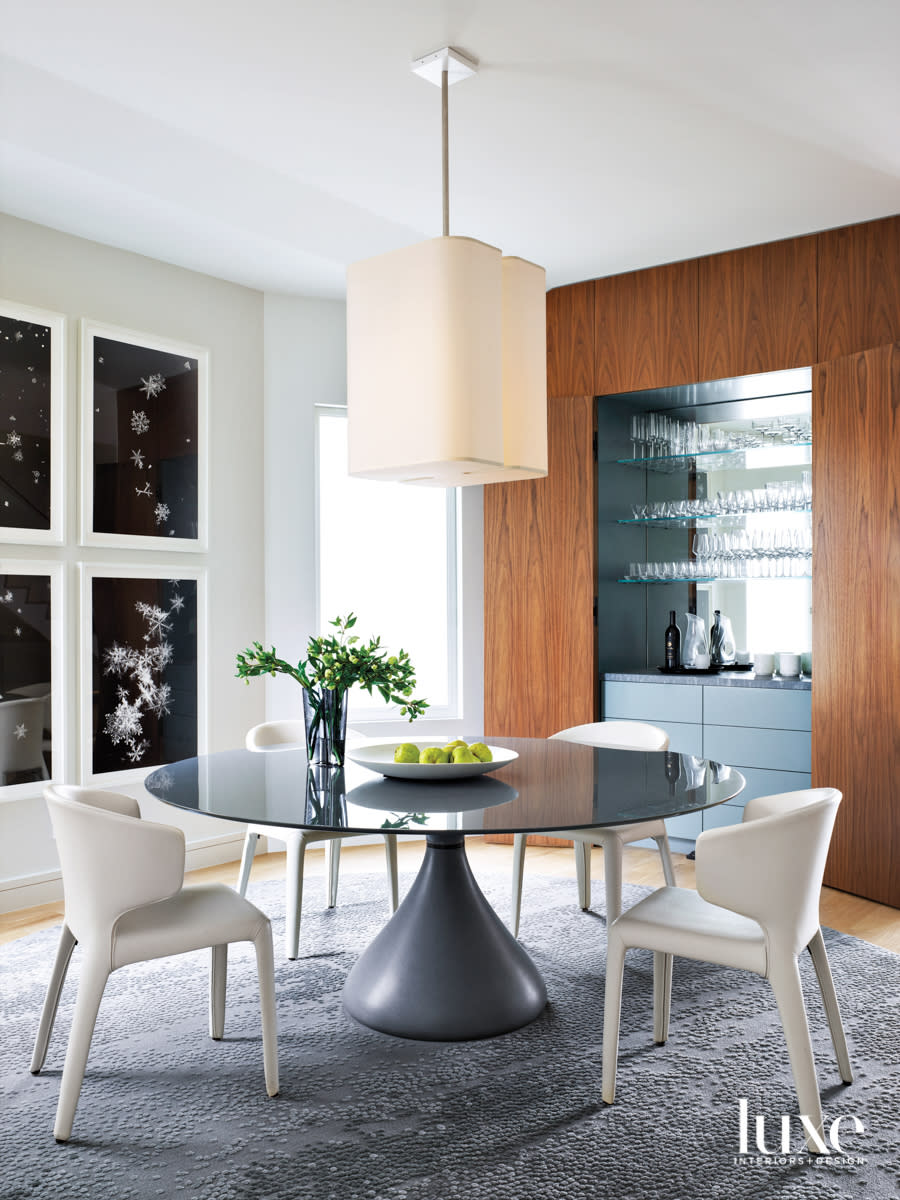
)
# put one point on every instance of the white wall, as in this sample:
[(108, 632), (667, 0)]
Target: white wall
[(272, 359), (305, 351), (47, 269)]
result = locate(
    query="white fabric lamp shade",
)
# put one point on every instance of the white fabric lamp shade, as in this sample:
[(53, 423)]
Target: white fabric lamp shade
[(446, 365)]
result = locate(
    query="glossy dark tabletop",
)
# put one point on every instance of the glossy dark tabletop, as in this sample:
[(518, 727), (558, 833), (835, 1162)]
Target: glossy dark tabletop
[(552, 785)]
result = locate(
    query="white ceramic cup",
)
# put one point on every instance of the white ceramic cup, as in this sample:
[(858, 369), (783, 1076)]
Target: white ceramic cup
[(763, 664), (741, 657), (788, 664), (701, 661)]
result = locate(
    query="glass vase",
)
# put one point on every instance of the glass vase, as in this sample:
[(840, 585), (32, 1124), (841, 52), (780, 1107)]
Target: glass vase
[(325, 719), (326, 803)]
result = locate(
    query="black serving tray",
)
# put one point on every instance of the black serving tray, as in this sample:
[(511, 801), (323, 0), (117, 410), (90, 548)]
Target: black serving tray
[(690, 670)]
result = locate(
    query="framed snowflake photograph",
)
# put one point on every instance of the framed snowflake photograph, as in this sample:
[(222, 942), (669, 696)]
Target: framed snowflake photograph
[(143, 440), (33, 744), (32, 386), (143, 669)]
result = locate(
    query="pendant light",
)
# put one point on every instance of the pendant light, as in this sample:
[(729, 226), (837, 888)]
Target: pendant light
[(446, 352)]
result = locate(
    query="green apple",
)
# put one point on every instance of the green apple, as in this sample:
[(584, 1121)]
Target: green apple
[(481, 752), (434, 754), (451, 746), (462, 754), (407, 753)]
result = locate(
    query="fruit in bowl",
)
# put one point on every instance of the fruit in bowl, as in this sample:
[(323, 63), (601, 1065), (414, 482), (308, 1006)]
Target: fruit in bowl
[(455, 752), (462, 754), (481, 752), (434, 754), (407, 753)]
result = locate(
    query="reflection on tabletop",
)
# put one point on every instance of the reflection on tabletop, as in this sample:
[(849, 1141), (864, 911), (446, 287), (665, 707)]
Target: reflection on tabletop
[(553, 784)]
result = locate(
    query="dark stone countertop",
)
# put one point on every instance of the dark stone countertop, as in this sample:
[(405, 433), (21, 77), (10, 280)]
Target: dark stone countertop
[(723, 679)]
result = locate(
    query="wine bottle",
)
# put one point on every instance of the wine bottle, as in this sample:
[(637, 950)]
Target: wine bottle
[(673, 644), (716, 640)]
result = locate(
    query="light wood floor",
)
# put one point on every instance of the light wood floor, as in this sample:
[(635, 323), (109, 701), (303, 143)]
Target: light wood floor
[(862, 918)]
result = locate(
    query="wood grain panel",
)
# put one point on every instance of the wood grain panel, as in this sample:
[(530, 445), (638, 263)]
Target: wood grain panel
[(856, 615), (540, 548), (570, 340), (646, 329), (858, 287), (758, 309)]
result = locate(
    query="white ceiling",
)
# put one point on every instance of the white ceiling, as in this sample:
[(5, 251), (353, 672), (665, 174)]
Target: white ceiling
[(273, 143)]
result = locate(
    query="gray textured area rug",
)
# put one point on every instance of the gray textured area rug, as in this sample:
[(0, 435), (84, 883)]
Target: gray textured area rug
[(166, 1112)]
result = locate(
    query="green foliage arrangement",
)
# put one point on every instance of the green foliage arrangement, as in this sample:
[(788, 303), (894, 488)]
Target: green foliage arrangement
[(336, 662)]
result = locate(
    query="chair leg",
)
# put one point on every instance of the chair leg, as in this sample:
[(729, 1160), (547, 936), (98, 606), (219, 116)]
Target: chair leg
[(218, 974), (612, 872), (829, 996), (64, 950), (90, 992), (265, 966), (296, 850), (784, 975), (662, 995), (665, 854), (332, 868), (615, 968), (390, 853), (250, 841), (518, 873), (583, 871)]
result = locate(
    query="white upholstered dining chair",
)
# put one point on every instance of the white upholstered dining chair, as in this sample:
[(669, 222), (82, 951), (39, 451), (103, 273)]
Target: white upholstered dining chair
[(126, 902), (617, 735), (756, 908), (270, 735)]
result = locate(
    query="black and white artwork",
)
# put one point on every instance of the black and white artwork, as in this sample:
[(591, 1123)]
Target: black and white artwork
[(145, 432), (145, 671), (30, 396), (26, 625)]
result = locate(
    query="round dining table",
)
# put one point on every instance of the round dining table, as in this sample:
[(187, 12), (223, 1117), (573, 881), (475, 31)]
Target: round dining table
[(445, 967)]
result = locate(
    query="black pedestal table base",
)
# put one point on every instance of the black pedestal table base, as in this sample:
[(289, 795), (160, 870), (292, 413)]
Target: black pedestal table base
[(445, 967)]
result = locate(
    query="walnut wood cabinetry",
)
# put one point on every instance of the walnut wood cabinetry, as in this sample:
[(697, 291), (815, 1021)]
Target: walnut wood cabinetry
[(570, 340), (856, 615), (758, 309), (645, 329), (859, 287), (540, 547), (786, 304)]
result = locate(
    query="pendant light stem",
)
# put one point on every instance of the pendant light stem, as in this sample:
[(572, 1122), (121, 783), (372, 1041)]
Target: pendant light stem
[(445, 150)]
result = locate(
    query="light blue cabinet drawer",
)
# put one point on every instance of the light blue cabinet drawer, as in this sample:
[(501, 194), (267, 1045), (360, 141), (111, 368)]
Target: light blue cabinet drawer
[(658, 703), (683, 739), (721, 815), (761, 708), (687, 827), (760, 782), (774, 749)]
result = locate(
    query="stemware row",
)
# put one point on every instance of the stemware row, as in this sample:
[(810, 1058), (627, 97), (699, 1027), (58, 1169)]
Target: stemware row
[(786, 495), (655, 435)]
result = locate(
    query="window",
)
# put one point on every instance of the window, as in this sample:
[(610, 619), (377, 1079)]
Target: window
[(388, 552)]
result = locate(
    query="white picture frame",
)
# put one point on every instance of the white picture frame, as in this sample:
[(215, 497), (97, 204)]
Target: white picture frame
[(32, 424), (16, 599), (113, 679), (144, 472)]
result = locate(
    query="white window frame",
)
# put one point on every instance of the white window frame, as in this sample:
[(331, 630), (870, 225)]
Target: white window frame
[(380, 713)]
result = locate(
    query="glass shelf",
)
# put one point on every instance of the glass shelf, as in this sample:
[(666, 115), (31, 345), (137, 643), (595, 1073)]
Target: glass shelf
[(712, 520), (720, 579), (796, 454)]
